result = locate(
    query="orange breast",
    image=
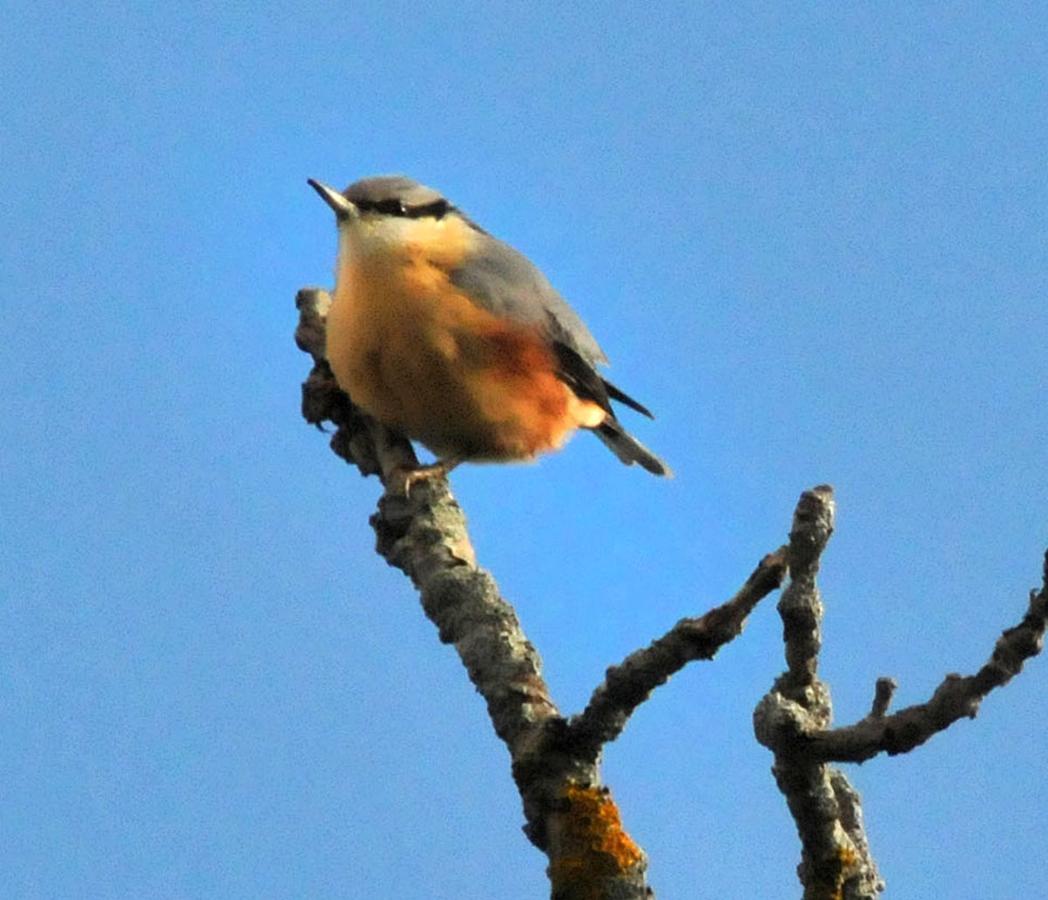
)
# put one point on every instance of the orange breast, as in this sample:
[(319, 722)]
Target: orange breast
[(421, 357)]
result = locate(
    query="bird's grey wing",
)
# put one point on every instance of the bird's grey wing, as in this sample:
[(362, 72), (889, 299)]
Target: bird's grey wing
[(505, 282)]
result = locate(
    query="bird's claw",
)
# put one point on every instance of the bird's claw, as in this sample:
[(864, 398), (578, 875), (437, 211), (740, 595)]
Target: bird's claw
[(402, 480)]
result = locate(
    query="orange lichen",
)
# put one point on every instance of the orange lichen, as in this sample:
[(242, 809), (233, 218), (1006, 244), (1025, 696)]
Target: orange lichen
[(592, 845), (846, 861)]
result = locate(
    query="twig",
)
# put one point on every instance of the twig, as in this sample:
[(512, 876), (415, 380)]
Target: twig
[(631, 682), (956, 697), (882, 697)]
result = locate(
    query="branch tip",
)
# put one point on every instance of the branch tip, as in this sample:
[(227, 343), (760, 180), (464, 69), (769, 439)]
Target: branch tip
[(632, 681), (882, 697)]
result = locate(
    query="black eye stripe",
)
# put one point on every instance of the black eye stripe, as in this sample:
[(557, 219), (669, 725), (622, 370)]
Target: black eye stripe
[(437, 209)]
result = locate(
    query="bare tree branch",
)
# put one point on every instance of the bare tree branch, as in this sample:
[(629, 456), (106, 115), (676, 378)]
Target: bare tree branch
[(867, 881), (793, 720), (570, 814), (957, 697), (835, 858), (631, 682)]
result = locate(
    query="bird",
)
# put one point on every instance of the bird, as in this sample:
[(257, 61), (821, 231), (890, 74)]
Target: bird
[(453, 338)]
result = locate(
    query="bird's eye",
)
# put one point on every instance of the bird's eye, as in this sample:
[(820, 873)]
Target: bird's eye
[(393, 207), (390, 207), (438, 209)]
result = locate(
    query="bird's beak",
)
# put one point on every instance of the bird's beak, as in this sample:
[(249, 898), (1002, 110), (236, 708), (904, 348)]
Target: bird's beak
[(343, 208)]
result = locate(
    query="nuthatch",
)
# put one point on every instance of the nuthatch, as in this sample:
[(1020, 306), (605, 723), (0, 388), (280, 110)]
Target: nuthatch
[(453, 338)]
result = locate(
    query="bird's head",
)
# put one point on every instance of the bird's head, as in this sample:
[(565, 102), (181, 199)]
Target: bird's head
[(390, 210)]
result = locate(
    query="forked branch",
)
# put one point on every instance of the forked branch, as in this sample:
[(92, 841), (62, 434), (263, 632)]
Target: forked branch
[(570, 814), (793, 719)]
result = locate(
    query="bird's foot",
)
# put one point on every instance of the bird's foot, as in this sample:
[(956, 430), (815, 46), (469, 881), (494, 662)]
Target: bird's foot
[(401, 480)]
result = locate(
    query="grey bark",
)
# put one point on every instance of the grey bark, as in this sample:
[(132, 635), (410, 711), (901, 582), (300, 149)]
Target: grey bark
[(793, 720), (568, 812)]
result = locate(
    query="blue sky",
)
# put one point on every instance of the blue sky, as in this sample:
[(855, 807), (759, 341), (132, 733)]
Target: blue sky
[(811, 238)]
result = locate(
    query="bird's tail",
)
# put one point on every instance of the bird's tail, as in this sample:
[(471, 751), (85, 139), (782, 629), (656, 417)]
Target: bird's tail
[(627, 448)]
